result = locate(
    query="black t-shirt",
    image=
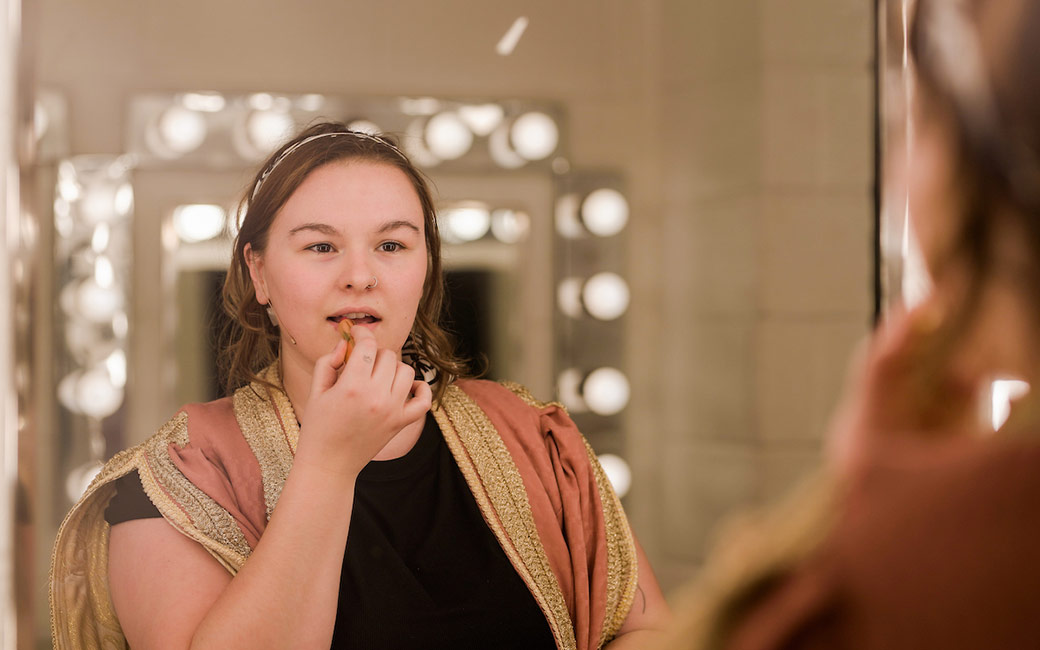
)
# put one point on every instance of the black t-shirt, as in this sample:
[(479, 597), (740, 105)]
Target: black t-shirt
[(421, 568)]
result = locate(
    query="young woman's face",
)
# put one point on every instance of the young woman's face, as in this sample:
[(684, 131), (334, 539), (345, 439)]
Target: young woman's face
[(349, 242)]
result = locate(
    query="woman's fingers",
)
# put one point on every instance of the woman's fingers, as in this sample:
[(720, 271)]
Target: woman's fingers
[(326, 369)]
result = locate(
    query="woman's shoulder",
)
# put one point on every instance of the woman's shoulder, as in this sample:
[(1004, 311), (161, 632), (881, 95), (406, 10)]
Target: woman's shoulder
[(506, 393)]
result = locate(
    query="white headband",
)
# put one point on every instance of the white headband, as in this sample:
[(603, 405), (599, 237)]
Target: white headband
[(289, 151)]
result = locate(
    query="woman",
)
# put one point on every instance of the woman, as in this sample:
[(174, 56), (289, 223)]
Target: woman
[(347, 503), (923, 534)]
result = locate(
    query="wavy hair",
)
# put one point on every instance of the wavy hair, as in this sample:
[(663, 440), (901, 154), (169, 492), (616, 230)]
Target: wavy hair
[(249, 341)]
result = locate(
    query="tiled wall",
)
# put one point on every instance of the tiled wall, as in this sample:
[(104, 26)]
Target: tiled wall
[(766, 139)]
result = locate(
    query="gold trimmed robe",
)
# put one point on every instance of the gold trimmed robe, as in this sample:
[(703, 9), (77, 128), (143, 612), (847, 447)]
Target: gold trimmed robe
[(215, 472)]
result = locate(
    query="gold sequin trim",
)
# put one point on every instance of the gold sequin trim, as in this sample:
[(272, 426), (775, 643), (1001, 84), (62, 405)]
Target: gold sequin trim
[(622, 563), (183, 504), (499, 490), (268, 424), (525, 395)]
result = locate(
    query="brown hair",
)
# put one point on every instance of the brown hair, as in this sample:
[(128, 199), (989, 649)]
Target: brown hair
[(249, 342), (976, 63)]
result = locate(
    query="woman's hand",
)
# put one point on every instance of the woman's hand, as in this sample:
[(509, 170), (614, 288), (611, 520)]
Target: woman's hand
[(902, 384), (356, 408)]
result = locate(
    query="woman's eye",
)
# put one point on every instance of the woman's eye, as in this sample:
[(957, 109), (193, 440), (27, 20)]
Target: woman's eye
[(321, 248), (390, 247)]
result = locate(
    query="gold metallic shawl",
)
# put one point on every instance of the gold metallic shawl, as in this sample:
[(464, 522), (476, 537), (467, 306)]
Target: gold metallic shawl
[(512, 450)]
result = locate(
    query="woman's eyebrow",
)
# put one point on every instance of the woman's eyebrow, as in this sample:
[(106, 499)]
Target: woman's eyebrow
[(322, 228), (394, 225)]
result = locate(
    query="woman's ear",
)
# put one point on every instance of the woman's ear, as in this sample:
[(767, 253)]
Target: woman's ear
[(255, 262)]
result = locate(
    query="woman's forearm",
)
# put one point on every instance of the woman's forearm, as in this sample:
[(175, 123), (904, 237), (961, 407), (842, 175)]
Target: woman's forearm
[(287, 592)]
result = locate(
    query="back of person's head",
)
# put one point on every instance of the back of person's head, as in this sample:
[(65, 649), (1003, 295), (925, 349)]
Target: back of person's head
[(250, 340), (977, 65)]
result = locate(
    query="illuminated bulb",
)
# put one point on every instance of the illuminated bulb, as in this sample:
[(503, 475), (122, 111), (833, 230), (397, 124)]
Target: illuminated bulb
[(67, 391), (482, 118), (568, 297), (261, 101), (123, 201), (311, 102), (568, 386), (268, 128), (415, 145), (364, 126), (605, 296), (606, 391), (198, 221), (181, 130), (104, 274), (96, 303), (567, 223), (79, 479), (120, 325), (618, 472), (534, 135), (1004, 392), (115, 364), (447, 136), (502, 152), (466, 224), (96, 395), (510, 226), (41, 120), (99, 240), (604, 212), (99, 203), (204, 102)]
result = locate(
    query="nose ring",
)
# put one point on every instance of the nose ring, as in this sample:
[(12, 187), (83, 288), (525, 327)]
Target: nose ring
[(373, 284)]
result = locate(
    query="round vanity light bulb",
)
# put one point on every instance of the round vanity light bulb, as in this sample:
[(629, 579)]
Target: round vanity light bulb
[(606, 391), (502, 151), (604, 212), (568, 297), (101, 203), (447, 136), (605, 296), (182, 130), (466, 224), (568, 387), (482, 118), (510, 226), (96, 394), (364, 126), (79, 479), (197, 222), (267, 129), (618, 473), (96, 303), (534, 135)]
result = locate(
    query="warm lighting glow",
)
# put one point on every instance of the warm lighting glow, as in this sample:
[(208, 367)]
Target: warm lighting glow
[(100, 203), (534, 135), (1004, 392), (568, 297), (96, 303), (198, 221), (96, 395), (465, 223), (267, 129), (510, 226), (99, 240), (204, 102), (311, 102), (604, 212), (567, 223), (447, 136), (482, 119), (123, 202), (181, 130), (605, 296), (606, 391), (618, 473), (502, 151), (364, 126), (568, 387), (115, 363), (79, 479), (104, 274)]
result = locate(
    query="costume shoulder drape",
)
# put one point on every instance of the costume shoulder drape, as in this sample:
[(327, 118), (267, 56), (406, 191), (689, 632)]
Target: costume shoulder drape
[(215, 472)]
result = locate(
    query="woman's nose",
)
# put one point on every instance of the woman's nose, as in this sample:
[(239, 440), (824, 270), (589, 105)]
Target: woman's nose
[(357, 274)]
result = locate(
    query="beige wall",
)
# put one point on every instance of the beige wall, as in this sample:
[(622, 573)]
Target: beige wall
[(743, 129)]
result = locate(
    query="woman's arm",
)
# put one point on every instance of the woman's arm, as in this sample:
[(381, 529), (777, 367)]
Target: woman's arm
[(649, 615), (170, 593)]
